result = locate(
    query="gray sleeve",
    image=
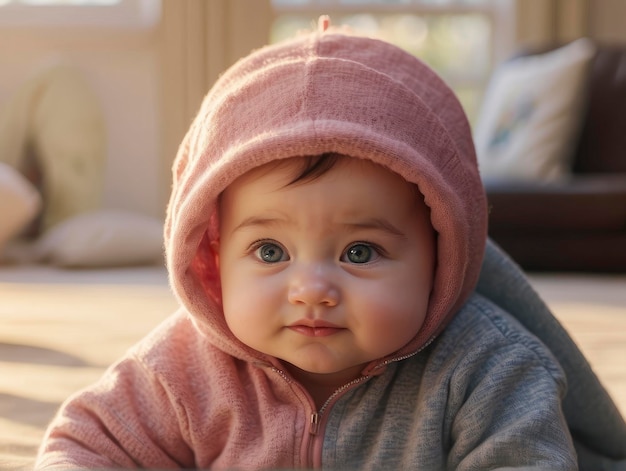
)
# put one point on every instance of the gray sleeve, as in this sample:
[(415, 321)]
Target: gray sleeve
[(507, 404)]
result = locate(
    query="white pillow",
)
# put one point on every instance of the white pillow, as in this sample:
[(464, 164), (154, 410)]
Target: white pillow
[(102, 238), (531, 114), (19, 203)]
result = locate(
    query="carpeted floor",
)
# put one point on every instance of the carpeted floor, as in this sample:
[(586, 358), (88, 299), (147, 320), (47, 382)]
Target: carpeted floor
[(593, 310), (60, 330)]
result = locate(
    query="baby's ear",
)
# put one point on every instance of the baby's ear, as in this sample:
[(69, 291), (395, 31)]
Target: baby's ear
[(215, 248)]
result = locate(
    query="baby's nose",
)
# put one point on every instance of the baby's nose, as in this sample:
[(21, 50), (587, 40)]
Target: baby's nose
[(312, 284)]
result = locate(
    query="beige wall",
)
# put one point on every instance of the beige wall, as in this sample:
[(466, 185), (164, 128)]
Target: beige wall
[(607, 20), (150, 82), (541, 21), (123, 69)]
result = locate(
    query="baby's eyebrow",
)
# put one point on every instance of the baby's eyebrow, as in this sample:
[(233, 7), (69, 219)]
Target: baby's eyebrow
[(376, 223), (256, 221), (380, 224)]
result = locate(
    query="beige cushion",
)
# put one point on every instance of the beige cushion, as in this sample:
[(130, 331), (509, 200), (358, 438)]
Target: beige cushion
[(56, 115), (102, 238), (532, 113)]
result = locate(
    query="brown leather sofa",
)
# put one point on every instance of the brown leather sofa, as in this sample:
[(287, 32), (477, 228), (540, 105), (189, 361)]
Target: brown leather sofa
[(579, 224)]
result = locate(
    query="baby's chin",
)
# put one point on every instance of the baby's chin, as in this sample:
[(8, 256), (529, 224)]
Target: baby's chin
[(324, 374)]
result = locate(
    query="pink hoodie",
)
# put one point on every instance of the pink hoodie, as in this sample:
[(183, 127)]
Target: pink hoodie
[(191, 394)]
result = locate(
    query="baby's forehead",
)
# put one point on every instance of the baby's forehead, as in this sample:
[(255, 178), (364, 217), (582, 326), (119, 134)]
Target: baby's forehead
[(315, 174), (303, 169)]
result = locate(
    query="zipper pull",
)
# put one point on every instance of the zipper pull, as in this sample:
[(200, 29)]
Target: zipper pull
[(315, 423)]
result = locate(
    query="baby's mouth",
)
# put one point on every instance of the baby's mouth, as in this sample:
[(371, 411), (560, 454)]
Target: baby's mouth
[(315, 328)]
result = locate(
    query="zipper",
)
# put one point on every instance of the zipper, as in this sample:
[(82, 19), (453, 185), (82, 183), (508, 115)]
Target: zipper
[(404, 357), (315, 423), (314, 442), (316, 419), (281, 373), (316, 416)]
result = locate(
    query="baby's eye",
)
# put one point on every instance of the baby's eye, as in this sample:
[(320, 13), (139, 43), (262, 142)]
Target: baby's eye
[(360, 253), (270, 252)]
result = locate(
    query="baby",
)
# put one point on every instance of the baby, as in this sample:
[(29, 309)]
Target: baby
[(325, 236)]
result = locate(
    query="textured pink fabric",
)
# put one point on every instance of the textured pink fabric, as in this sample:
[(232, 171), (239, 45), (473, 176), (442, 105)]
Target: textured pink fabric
[(180, 398), (175, 401), (327, 92)]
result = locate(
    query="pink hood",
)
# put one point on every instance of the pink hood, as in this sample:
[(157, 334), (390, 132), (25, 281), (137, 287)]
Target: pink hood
[(320, 93)]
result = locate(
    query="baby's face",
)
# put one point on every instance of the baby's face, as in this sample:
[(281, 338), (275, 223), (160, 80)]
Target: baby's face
[(326, 274)]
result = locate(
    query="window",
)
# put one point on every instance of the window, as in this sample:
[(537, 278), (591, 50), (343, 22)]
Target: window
[(460, 39), (61, 2), (80, 13)]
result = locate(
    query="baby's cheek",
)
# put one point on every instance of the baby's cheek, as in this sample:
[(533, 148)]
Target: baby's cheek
[(247, 302), (392, 324), (240, 318)]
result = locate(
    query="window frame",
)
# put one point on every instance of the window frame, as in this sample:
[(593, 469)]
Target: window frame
[(125, 14), (499, 13)]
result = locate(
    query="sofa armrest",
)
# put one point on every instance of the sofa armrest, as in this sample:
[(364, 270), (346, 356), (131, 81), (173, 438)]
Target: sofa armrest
[(594, 202)]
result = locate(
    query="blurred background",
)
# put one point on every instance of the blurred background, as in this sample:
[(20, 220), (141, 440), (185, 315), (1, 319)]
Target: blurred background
[(150, 62)]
